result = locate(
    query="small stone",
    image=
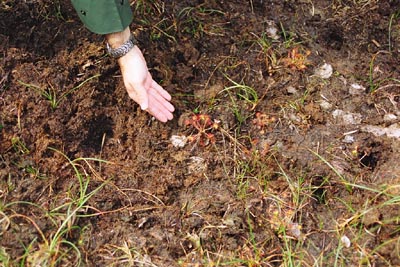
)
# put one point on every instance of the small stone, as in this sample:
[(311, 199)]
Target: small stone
[(294, 117), (347, 117), (352, 118), (325, 105), (389, 117), (295, 230), (391, 131), (291, 90), (356, 89), (337, 113), (325, 71), (228, 222), (178, 141), (272, 30), (348, 139), (345, 241)]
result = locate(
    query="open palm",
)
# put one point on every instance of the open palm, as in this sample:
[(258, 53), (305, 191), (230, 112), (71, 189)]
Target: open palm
[(142, 88)]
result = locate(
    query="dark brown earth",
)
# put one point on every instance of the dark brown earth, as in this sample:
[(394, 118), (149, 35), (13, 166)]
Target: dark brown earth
[(291, 174)]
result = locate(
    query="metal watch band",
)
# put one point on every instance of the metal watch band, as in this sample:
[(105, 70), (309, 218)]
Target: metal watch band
[(123, 49)]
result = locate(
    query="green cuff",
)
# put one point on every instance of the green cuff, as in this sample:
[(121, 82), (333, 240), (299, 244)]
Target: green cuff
[(104, 16)]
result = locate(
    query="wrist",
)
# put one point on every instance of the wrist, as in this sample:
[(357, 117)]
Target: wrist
[(117, 39), (120, 43), (134, 52)]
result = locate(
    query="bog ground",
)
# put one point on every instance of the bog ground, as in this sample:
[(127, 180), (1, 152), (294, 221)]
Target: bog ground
[(284, 149)]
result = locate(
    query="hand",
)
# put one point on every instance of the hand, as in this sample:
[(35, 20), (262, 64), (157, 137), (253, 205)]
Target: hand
[(142, 88)]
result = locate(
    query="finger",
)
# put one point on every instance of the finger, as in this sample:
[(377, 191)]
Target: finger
[(157, 113), (158, 110), (161, 90), (149, 80), (161, 101)]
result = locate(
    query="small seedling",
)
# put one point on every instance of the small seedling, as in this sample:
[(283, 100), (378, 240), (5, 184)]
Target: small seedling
[(203, 125), (19, 146), (49, 12), (393, 17), (244, 92), (196, 21), (264, 42), (373, 85), (4, 257), (289, 37), (239, 93), (50, 92)]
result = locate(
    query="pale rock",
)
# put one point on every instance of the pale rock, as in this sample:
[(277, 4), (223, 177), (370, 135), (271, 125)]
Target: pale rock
[(391, 131), (352, 118), (389, 117), (348, 139), (325, 105), (295, 230), (345, 241), (347, 117), (356, 89), (337, 113), (291, 90), (325, 71), (178, 141), (272, 30), (294, 117)]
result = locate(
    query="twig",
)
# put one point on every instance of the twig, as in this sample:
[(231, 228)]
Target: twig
[(387, 86)]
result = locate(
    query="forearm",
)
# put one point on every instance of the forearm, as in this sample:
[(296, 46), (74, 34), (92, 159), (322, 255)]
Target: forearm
[(112, 18)]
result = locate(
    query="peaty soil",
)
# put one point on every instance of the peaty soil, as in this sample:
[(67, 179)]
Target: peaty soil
[(290, 170)]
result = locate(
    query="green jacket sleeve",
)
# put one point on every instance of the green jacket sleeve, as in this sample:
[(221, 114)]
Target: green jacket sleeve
[(104, 16)]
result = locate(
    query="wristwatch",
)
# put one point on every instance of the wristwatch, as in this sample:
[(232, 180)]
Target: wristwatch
[(123, 49)]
